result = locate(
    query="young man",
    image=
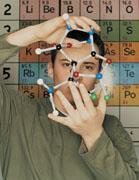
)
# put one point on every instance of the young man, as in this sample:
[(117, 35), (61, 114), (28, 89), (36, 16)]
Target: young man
[(86, 144)]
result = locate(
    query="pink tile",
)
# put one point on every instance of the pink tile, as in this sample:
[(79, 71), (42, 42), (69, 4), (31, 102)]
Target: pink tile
[(71, 7), (109, 9), (90, 8), (49, 9), (129, 9), (29, 9)]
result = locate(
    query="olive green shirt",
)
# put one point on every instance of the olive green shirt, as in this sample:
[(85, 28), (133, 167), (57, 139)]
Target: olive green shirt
[(33, 147)]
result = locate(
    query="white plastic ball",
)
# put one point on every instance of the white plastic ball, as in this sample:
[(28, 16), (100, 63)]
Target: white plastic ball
[(65, 16), (55, 113), (40, 81), (38, 51)]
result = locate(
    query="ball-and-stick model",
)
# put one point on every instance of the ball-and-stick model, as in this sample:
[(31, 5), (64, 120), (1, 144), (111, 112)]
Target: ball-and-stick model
[(74, 74)]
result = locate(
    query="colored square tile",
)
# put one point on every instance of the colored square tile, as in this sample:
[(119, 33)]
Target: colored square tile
[(110, 30), (112, 51), (129, 73), (43, 73), (129, 10), (28, 73), (49, 9), (29, 10), (46, 56), (28, 54), (115, 70), (90, 8), (8, 26), (129, 52), (43, 92), (9, 72), (129, 31), (109, 9), (71, 7), (30, 90), (9, 10), (129, 95), (115, 97)]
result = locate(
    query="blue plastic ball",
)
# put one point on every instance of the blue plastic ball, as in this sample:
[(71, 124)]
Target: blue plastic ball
[(51, 90), (99, 76)]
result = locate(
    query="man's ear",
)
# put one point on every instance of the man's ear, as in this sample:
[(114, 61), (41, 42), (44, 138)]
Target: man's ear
[(50, 69)]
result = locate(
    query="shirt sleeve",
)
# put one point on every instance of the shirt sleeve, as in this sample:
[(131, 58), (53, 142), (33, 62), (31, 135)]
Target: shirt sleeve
[(112, 157), (6, 50), (10, 100)]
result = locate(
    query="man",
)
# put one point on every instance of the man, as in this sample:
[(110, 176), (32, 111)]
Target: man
[(86, 144)]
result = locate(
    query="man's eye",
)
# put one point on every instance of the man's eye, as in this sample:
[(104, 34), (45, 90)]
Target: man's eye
[(66, 64), (89, 67)]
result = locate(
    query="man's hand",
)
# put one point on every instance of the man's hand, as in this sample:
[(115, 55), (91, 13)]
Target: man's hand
[(50, 31), (86, 120)]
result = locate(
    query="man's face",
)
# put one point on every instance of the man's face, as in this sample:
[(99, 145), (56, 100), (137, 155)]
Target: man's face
[(62, 68)]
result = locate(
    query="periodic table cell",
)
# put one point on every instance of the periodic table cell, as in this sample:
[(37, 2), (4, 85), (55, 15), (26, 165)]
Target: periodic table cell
[(90, 8), (9, 10), (129, 30), (43, 73), (43, 92), (46, 56), (30, 90), (112, 51), (129, 51), (129, 116), (49, 9), (109, 9), (27, 54), (28, 73), (124, 95), (115, 70), (9, 72), (129, 95), (115, 98), (129, 73), (109, 30), (26, 23), (29, 9), (8, 26), (71, 7), (129, 9)]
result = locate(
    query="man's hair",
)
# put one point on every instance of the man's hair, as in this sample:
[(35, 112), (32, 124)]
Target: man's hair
[(83, 36)]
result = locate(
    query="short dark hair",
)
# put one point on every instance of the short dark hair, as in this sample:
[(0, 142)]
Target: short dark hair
[(82, 36)]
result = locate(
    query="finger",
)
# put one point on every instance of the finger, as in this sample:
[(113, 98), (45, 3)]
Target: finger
[(53, 24), (68, 107), (72, 24), (59, 119), (81, 23), (86, 98), (92, 23), (77, 98), (102, 103), (56, 36)]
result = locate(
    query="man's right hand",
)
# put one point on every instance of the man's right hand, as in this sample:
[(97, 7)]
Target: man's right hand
[(50, 31)]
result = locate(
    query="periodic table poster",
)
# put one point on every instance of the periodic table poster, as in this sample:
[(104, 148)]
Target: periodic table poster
[(119, 21)]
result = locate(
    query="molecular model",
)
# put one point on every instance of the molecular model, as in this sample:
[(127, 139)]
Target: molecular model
[(74, 75)]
